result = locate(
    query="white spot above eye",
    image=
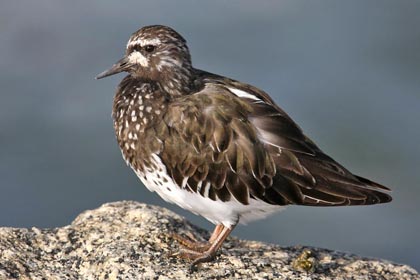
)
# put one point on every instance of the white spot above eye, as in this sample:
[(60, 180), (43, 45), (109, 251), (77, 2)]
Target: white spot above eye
[(137, 58), (244, 94), (144, 42)]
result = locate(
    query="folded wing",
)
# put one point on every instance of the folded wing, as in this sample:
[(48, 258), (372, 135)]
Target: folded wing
[(311, 177), (231, 141)]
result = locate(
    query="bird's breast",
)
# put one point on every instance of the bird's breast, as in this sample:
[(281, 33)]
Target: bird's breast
[(139, 126)]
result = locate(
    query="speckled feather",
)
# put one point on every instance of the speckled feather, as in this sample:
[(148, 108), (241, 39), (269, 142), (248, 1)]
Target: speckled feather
[(217, 147)]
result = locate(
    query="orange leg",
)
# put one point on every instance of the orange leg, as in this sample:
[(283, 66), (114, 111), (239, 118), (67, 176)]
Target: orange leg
[(192, 244), (216, 240), (215, 233)]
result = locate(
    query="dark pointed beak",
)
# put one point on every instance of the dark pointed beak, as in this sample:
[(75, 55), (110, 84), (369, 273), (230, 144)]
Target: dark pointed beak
[(120, 66)]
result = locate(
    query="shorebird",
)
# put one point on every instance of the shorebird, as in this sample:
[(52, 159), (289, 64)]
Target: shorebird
[(217, 147)]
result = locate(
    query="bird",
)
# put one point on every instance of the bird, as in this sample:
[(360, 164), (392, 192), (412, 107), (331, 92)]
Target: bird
[(217, 147)]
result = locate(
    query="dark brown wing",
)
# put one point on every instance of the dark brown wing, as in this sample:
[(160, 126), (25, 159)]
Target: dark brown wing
[(305, 175), (213, 149), (318, 179), (222, 145)]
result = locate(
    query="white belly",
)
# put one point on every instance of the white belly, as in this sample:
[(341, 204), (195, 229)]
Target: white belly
[(216, 211)]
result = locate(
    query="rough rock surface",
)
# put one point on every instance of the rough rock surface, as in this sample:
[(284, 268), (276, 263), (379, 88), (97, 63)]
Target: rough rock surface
[(129, 240)]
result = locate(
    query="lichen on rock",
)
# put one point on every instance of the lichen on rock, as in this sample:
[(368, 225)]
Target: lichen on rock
[(130, 240)]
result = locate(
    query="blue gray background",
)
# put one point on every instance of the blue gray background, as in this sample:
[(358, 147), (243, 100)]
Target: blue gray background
[(347, 71)]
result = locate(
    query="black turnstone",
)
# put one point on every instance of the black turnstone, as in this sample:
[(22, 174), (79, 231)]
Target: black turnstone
[(217, 147)]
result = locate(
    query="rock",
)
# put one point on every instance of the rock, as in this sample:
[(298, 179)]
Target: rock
[(129, 240)]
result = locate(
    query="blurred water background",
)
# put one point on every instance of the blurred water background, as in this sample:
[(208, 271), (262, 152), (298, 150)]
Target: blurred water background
[(347, 71)]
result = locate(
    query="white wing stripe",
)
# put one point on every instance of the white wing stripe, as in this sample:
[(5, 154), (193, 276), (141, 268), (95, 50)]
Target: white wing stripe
[(244, 94)]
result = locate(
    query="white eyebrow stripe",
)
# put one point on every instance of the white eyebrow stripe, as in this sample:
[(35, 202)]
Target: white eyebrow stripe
[(144, 42), (244, 94)]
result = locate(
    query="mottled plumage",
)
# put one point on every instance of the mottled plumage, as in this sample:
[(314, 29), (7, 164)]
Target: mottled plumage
[(217, 147)]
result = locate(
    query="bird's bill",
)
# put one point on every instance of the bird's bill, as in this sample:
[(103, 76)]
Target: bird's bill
[(120, 66)]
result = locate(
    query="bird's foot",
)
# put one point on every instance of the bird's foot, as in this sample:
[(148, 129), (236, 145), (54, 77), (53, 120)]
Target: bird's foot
[(195, 257), (206, 256), (200, 252), (191, 244)]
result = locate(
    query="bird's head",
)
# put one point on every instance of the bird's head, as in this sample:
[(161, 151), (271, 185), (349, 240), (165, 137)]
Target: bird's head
[(156, 53)]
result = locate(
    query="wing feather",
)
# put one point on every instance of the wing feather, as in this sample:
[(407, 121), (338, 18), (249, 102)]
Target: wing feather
[(211, 141), (305, 174), (230, 146)]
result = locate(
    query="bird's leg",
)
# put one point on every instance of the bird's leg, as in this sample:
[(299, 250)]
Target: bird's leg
[(216, 240), (215, 233), (215, 246), (193, 245)]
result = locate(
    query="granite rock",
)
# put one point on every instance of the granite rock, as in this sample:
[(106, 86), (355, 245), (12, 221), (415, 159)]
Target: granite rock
[(130, 240)]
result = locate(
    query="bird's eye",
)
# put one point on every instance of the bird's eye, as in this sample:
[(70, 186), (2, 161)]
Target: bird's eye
[(149, 48)]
